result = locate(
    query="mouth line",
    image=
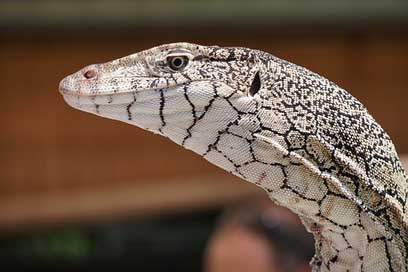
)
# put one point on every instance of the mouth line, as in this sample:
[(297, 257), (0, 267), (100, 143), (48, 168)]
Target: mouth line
[(67, 92)]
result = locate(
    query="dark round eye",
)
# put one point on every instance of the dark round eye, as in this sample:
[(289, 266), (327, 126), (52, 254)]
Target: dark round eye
[(177, 63)]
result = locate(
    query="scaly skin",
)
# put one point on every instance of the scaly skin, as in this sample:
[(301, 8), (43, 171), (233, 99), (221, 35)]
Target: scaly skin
[(308, 143)]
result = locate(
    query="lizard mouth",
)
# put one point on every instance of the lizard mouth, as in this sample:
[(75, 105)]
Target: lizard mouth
[(83, 94), (71, 85)]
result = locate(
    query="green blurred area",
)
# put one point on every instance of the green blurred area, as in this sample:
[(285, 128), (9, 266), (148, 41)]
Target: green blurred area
[(69, 244), (50, 13), (168, 243)]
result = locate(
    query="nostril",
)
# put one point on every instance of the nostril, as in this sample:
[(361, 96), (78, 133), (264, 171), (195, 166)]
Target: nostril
[(90, 74)]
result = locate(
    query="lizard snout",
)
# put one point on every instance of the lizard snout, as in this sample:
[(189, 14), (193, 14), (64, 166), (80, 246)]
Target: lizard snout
[(81, 82)]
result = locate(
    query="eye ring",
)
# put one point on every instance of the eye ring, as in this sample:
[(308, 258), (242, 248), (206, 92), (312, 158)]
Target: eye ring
[(177, 63)]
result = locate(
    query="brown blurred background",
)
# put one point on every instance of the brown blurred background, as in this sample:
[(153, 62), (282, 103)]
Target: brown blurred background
[(60, 167)]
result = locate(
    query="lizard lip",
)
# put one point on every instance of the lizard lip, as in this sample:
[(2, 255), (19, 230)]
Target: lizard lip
[(71, 85), (65, 91)]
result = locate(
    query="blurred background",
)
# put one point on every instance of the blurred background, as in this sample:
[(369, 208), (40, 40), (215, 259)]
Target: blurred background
[(81, 192)]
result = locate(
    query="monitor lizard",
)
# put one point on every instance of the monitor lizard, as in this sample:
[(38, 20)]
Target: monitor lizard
[(307, 142)]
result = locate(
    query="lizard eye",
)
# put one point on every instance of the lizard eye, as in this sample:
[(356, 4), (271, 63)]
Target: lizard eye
[(177, 63)]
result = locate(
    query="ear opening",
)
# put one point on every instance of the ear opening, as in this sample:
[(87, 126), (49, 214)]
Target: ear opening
[(255, 85)]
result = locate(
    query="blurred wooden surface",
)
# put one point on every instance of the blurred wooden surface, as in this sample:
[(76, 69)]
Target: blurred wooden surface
[(167, 196), (57, 163)]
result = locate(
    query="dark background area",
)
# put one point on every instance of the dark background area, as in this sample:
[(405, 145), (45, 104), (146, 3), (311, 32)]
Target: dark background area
[(72, 183)]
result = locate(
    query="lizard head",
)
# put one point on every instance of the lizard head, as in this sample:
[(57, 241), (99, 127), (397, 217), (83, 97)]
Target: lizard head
[(183, 91)]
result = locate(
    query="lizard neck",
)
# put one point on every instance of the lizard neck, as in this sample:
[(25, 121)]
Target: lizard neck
[(347, 238)]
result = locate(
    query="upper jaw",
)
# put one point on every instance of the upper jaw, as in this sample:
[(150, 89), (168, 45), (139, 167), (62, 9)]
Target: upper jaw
[(71, 85), (117, 76), (129, 74)]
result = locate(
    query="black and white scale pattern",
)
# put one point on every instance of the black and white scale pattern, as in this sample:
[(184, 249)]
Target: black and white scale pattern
[(308, 143)]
